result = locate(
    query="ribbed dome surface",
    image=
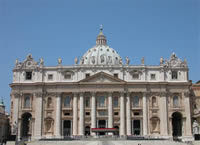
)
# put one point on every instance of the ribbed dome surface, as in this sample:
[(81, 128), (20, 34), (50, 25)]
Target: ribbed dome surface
[(101, 53)]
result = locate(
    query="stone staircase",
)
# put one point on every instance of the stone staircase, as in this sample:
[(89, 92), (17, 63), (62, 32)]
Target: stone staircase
[(109, 142)]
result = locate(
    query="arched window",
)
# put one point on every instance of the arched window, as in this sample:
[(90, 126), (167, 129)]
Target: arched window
[(102, 101), (154, 102), (135, 101), (49, 102), (67, 101), (175, 101), (27, 102)]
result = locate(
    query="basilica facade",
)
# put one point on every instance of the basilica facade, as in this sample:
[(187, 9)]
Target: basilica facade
[(101, 95)]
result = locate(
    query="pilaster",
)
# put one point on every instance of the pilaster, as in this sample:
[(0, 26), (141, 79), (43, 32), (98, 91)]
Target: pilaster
[(93, 113), (58, 116), (110, 112), (75, 114), (81, 119), (122, 115), (128, 114)]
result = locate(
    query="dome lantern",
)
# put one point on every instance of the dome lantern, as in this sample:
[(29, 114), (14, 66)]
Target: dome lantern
[(101, 38)]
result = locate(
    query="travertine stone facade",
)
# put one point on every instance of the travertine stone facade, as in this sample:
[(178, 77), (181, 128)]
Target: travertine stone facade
[(196, 107), (100, 91)]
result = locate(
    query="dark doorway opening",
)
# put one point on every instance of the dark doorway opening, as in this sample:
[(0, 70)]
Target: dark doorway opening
[(67, 128), (176, 124), (87, 131), (102, 124), (136, 127), (26, 125), (116, 132)]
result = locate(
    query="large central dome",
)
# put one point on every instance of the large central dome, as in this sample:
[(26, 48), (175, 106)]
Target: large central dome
[(101, 53)]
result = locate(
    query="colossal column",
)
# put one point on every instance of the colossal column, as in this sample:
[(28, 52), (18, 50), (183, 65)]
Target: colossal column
[(75, 114), (81, 119), (145, 123), (164, 114), (93, 113), (122, 115), (110, 112), (58, 116), (39, 115), (128, 114)]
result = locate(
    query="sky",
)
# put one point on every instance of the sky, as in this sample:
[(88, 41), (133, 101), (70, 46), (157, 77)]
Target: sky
[(51, 29)]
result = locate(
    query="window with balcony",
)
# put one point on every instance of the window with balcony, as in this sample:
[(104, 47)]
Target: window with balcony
[(135, 101), (87, 102), (49, 102), (67, 101), (115, 102), (175, 101), (101, 101)]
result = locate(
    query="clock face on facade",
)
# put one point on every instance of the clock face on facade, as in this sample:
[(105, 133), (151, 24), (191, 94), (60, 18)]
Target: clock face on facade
[(29, 63), (174, 62)]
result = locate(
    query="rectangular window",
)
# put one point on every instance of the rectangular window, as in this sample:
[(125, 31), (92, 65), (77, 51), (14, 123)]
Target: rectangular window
[(115, 102), (116, 113), (87, 75), (50, 77), (135, 76), (87, 113), (67, 76), (87, 102), (28, 75), (153, 76), (101, 101), (174, 75), (136, 113), (116, 75), (67, 114)]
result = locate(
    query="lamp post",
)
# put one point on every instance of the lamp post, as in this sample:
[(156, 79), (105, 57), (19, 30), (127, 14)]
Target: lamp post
[(15, 126)]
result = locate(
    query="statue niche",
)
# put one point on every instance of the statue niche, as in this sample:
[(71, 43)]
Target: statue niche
[(49, 123), (155, 125)]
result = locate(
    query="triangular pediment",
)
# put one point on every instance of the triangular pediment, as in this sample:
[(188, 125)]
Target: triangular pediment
[(101, 77)]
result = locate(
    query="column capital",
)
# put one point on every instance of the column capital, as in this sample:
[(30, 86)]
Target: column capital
[(75, 94), (122, 93), (110, 93), (93, 93), (59, 94), (163, 94), (146, 93)]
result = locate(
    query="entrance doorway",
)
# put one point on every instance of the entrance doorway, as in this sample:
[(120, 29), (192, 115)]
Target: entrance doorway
[(26, 125), (102, 124), (176, 124), (136, 127), (116, 132), (67, 128), (87, 131)]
